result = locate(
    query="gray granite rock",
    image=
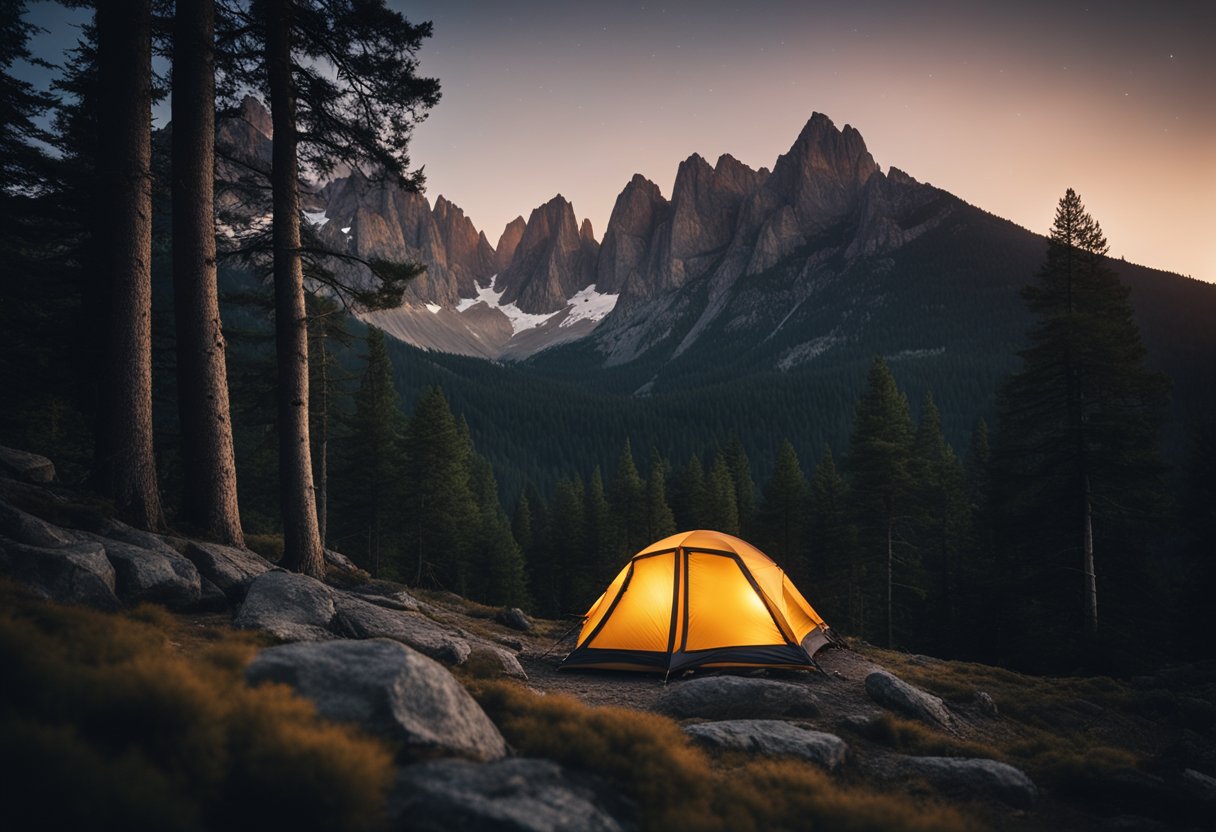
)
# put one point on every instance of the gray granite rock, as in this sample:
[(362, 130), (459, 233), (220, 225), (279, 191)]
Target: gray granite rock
[(894, 693), (289, 606), (388, 690), (513, 795), (229, 568), (26, 466), (357, 618), (737, 697), (974, 777), (771, 737), (78, 573)]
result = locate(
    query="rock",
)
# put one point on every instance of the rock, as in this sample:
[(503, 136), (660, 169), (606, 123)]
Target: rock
[(986, 704), (1199, 785), (381, 596), (508, 241), (515, 618), (771, 737), (357, 618), (388, 690), (639, 208), (494, 662), (26, 466), (975, 777), (211, 598), (894, 693), (737, 697), (156, 575), (550, 263), (77, 573), (289, 606), (342, 562), (24, 527), (514, 795), (231, 569)]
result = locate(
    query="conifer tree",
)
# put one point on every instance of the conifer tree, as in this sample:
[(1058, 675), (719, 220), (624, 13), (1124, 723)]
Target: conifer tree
[(880, 451), (498, 575), (721, 509), (601, 540), (1079, 423), (439, 508), (660, 522), (832, 544), (628, 500), (374, 457), (745, 487), (689, 497), (781, 518), (572, 588)]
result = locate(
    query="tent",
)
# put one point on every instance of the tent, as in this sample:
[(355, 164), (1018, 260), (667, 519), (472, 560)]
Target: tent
[(699, 599)]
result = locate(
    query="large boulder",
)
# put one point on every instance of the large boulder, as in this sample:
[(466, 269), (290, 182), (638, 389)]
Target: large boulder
[(77, 573), (24, 527), (515, 618), (513, 795), (26, 466), (157, 574), (289, 606), (771, 737), (974, 777), (229, 568), (357, 618), (388, 690), (737, 697), (896, 694), (492, 661)]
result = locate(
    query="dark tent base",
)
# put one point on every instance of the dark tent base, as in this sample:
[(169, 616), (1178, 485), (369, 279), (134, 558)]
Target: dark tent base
[(765, 655)]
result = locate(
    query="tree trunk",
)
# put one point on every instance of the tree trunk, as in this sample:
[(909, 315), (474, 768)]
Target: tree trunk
[(1091, 581), (322, 478), (127, 465), (210, 502), (301, 537)]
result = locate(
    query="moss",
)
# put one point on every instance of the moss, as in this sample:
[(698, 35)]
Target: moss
[(676, 785), (106, 723), (915, 738), (269, 546)]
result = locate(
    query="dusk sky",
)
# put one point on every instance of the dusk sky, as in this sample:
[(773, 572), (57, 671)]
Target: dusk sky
[(1003, 104)]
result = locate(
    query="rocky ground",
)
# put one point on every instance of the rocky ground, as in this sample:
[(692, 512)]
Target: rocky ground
[(1013, 752)]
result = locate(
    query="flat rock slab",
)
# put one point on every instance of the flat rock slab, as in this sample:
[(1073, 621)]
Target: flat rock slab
[(26, 466), (24, 527), (771, 737), (513, 795), (78, 573), (975, 777), (229, 568), (388, 690), (357, 618), (894, 693), (737, 697), (289, 606)]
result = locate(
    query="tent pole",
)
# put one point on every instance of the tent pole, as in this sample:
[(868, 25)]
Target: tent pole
[(564, 635)]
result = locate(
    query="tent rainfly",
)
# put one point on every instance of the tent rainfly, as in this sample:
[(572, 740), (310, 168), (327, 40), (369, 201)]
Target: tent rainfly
[(699, 599)]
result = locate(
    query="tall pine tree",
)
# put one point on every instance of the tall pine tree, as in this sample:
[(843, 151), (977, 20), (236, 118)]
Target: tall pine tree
[(1079, 423), (781, 519)]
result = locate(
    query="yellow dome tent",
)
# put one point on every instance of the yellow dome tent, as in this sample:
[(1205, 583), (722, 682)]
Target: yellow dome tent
[(699, 599)]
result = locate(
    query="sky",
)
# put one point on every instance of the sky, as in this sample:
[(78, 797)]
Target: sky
[(1003, 104)]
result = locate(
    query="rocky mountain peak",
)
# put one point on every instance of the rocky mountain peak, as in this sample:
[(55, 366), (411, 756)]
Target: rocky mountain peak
[(550, 263), (639, 209), (469, 256), (585, 232), (822, 174), (507, 243), (254, 112)]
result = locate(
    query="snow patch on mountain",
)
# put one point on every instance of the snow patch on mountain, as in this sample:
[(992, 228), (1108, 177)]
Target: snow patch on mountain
[(520, 320), (589, 305), (317, 218)]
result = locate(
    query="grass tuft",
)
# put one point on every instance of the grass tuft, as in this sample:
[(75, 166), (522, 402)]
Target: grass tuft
[(676, 785), (915, 738), (106, 723)]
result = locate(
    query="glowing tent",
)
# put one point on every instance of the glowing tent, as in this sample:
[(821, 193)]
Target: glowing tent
[(699, 599)]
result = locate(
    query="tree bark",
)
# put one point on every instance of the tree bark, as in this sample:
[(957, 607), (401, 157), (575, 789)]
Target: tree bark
[(127, 465), (1091, 581), (301, 537), (210, 500), (322, 478)]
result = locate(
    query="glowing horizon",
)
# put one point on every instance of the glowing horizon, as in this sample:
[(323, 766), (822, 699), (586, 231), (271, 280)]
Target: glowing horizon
[(1003, 107)]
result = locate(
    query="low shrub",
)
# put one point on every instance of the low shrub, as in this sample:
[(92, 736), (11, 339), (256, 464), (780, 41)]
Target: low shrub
[(676, 785), (916, 738), (104, 723)]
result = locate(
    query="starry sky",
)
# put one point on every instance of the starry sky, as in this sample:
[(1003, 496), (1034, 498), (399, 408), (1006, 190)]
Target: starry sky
[(1004, 104)]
